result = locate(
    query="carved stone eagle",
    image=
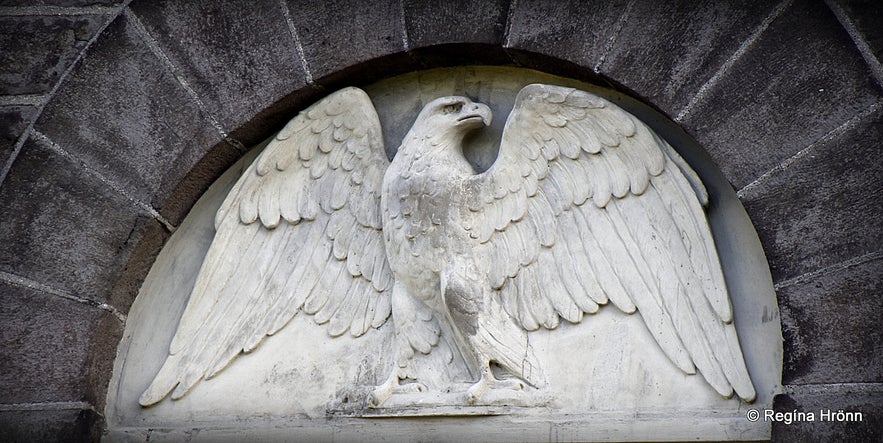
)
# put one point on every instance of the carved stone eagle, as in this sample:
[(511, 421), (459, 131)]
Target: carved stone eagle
[(584, 205)]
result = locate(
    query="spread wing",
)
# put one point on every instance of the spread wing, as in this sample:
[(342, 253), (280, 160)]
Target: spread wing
[(301, 230), (586, 205)]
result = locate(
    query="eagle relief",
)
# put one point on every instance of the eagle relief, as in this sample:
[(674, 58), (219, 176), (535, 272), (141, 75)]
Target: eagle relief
[(583, 207)]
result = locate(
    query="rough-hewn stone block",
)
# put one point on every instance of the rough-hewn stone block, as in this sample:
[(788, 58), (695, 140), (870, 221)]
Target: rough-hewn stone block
[(68, 425), (125, 115), (575, 31), (831, 326), (46, 343), (239, 57), (667, 50), (435, 31), (62, 226), (66, 3), (800, 79), (13, 121), (340, 34), (820, 210), (869, 404), (867, 17), (35, 51)]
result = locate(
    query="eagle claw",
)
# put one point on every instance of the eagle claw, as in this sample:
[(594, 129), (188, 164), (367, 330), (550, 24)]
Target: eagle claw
[(393, 386), (490, 383)]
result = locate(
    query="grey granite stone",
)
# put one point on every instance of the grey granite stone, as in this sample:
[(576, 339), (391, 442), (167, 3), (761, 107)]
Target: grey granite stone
[(800, 79), (456, 32), (46, 343), (13, 121), (831, 326), (869, 428), (338, 35), (867, 17), (35, 51), (62, 226), (48, 425), (124, 114), (667, 50), (64, 3), (819, 211), (239, 57), (574, 31)]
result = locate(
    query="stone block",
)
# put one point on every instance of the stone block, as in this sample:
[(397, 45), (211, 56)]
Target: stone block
[(667, 50), (47, 425), (815, 213), (64, 3), (802, 78), (338, 35), (127, 117), (46, 344), (866, 16), (869, 428), (831, 326), (239, 57), (62, 226), (35, 51), (437, 31), (575, 31), (13, 121)]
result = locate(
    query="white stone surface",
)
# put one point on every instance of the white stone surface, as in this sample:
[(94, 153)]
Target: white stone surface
[(607, 378)]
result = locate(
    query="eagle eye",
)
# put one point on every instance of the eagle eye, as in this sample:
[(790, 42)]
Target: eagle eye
[(452, 108)]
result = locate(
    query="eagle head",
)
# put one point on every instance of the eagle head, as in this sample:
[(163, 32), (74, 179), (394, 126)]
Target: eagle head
[(448, 119)]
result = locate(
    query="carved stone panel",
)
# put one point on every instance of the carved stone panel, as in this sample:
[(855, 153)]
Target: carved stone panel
[(551, 258)]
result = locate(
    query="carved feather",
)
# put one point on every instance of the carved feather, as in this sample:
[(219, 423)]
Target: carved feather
[(299, 231), (642, 243)]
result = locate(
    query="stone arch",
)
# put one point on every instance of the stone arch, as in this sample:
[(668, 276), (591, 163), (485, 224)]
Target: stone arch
[(161, 98)]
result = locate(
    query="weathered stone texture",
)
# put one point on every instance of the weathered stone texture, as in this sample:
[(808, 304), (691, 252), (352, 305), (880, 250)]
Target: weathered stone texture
[(831, 325), (63, 3), (239, 60), (340, 34), (13, 121), (867, 17), (125, 116), (35, 51), (62, 226), (667, 50), (48, 425), (815, 213), (870, 428), (438, 25), (802, 78), (575, 31), (46, 342)]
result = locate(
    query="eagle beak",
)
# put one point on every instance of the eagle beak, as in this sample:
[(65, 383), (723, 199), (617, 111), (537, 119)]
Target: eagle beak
[(475, 115)]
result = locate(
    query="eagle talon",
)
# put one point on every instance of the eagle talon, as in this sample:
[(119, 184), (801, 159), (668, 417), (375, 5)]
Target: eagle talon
[(393, 385)]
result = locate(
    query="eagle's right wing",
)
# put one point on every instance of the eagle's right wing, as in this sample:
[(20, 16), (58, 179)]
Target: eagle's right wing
[(586, 205), (300, 230)]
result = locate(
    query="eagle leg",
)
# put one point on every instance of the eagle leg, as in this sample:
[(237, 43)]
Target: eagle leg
[(416, 330), (489, 382), (393, 385)]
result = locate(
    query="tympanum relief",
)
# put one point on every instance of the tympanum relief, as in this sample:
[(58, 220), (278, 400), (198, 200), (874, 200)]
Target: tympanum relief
[(584, 209)]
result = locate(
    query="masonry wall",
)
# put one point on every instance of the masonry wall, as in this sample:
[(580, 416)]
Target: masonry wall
[(116, 116)]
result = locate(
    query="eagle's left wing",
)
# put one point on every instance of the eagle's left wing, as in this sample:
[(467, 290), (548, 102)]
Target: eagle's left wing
[(585, 204), (300, 231)]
